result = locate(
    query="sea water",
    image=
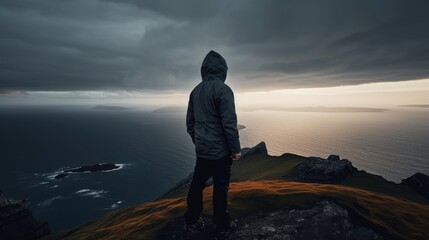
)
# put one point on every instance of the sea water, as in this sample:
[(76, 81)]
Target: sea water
[(154, 151)]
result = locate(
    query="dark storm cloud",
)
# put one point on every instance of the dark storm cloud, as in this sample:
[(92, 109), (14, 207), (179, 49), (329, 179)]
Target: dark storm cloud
[(159, 45)]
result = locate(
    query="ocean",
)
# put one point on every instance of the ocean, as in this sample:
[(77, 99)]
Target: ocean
[(154, 151)]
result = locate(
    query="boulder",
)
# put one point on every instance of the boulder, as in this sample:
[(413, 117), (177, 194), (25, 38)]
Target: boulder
[(319, 170), (420, 183)]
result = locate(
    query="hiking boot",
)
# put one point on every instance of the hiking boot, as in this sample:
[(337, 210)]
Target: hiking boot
[(223, 234), (195, 227)]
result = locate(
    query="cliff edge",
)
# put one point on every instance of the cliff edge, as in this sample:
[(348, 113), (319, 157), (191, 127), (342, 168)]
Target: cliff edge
[(17, 222), (284, 197)]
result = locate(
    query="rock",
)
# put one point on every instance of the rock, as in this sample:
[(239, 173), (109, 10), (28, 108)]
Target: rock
[(259, 148), (17, 222), (61, 176), (88, 168), (315, 169), (325, 220), (420, 183), (334, 158), (240, 127), (93, 168)]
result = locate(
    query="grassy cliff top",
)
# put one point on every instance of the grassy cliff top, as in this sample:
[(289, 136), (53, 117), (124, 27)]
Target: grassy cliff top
[(396, 217), (263, 181)]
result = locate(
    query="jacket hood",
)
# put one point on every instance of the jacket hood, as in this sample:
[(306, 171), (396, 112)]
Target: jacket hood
[(214, 66)]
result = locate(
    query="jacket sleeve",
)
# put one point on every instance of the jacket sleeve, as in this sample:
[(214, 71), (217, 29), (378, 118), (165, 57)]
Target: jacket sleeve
[(229, 118), (190, 120)]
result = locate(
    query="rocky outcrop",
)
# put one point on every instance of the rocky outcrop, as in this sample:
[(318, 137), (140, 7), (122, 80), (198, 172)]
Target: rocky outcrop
[(420, 183), (259, 148), (240, 127), (325, 220), (99, 167), (93, 168), (17, 222), (320, 170)]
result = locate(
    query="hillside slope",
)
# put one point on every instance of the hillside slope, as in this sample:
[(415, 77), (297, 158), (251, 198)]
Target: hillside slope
[(264, 182)]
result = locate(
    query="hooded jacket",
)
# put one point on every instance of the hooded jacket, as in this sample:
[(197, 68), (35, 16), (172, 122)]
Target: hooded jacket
[(211, 119)]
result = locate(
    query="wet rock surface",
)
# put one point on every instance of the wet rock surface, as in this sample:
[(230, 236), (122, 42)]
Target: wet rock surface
[(17, 222), (320, 170), (420, 183), (326, 220)]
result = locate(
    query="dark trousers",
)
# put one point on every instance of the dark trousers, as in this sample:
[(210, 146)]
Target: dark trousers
[(220, 171)]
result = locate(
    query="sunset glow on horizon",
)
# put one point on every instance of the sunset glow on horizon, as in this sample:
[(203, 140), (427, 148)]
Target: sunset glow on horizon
[(371, 94)]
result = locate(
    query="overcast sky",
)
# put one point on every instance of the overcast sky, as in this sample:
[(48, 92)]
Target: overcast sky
[(86, 45)]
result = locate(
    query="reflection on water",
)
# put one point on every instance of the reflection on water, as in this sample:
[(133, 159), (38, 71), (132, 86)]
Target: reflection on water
[(393, 144)]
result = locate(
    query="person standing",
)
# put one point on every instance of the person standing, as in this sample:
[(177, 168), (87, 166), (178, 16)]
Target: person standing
[(211, 122)]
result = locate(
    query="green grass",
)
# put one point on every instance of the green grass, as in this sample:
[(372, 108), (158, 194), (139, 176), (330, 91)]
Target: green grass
[(264, 167), (376, 183)]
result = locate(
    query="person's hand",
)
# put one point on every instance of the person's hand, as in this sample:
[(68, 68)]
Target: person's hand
[(236, 156)]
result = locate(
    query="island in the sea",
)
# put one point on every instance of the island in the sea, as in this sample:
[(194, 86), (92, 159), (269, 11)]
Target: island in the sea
[(416, 105), (170, 109), (110, 108), (99, 167)]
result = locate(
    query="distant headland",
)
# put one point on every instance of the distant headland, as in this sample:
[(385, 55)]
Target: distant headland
[(416, 105), (111, 108), (320, 109), (169, 109)]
